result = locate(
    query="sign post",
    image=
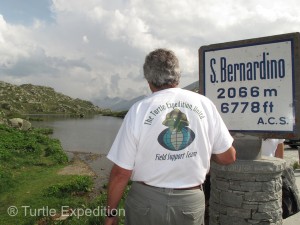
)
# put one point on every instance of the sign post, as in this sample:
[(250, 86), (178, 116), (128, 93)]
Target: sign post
[(253, 84)]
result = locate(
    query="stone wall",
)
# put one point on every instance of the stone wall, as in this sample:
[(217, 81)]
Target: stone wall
[(246, 192)]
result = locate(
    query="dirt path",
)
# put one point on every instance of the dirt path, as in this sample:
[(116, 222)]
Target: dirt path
[(89, 164), (77, 167)]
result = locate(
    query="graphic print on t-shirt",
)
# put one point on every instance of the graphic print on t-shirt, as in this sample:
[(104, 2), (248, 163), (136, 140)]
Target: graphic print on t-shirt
[(177, 136)]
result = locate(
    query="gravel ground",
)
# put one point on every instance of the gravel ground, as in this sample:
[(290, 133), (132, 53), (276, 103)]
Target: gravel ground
[(291, 155)]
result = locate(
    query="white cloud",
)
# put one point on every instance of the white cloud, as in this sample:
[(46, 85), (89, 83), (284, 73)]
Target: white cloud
[(2, 29), (85, 39)]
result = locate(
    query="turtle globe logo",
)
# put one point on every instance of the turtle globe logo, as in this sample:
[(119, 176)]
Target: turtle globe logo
[(177, 136)]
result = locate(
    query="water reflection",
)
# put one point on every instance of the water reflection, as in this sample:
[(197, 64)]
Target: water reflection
[(93, 134)]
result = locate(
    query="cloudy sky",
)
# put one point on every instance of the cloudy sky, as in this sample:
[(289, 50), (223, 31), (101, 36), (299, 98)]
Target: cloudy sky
[(91, 49)]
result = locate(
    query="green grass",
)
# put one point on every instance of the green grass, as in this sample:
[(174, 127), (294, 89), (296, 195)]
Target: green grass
[(29, 181), (29, 196), (32, 182), (29, 162)]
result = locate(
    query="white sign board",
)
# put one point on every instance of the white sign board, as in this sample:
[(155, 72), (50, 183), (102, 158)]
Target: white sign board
[(252, 85)]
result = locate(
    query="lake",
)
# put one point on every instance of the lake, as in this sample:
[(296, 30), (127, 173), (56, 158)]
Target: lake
[(89, 135)]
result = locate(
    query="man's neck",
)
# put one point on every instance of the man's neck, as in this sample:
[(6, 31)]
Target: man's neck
[(155, 89)]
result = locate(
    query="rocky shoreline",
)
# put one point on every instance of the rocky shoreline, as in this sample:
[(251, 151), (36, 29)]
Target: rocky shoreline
[(91, 164)]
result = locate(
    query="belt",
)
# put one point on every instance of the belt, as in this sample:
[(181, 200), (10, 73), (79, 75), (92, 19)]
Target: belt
[(183, 189)]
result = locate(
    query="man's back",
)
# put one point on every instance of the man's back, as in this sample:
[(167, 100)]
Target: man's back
[(172, 134)]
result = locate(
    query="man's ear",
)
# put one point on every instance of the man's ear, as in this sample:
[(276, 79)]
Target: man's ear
[(152, 87)]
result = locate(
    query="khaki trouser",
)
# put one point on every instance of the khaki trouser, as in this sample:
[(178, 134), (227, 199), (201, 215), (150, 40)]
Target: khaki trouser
[(146, 205)]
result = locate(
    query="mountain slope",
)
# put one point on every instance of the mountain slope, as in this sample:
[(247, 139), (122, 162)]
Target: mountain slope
[(33, 99), (119, 104)]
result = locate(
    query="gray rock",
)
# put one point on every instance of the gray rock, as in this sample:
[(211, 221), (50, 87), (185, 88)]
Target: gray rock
[(20, 123)]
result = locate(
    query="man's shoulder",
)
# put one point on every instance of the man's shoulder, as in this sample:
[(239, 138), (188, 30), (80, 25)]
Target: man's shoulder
[(189, 92), (193, 94)]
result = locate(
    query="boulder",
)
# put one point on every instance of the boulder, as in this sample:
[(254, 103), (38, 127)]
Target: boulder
[(20, 123)]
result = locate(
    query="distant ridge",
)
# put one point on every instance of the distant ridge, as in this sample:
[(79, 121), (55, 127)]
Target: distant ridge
[(193, 87), (34, 99), (119, 104)]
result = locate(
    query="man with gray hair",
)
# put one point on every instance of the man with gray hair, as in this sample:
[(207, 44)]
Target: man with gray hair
[(164, 146)]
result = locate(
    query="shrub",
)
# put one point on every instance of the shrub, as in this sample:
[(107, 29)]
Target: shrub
[(81, 184), (45, 131), (56, 152), (296, 165), (6, 180)]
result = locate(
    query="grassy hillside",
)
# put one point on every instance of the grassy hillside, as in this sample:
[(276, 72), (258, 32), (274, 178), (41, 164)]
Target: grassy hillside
[(33, 99)]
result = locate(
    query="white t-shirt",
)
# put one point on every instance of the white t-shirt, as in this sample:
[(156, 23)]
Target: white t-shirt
[(167, 139), (269, 146)]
